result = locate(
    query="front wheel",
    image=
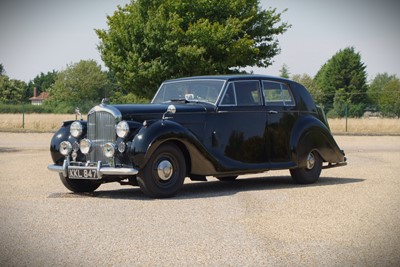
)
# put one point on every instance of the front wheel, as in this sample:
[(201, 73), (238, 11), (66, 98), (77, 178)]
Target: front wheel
[(309, 174), (164, 173), (79, 186)]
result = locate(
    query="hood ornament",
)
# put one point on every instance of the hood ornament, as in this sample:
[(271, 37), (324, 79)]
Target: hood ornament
[(78, 113), (104, 101)]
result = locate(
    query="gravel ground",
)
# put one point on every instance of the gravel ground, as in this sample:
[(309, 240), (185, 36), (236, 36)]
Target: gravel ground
[(349, 218)]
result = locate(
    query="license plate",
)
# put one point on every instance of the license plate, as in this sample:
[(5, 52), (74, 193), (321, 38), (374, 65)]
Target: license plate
[(82, 173)]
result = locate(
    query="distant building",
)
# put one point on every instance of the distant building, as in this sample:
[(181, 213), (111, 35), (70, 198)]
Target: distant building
[(37, 100)]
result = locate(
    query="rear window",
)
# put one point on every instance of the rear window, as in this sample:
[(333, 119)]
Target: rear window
[(277, 94)]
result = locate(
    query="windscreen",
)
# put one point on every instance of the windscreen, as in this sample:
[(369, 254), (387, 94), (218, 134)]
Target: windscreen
[(190, 91)]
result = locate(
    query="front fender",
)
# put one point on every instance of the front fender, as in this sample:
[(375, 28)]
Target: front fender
[(63, 134), (151, 136), (310, 133)]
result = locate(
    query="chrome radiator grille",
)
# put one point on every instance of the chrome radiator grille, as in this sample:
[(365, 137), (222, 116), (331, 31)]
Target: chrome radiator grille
[(101, 130)]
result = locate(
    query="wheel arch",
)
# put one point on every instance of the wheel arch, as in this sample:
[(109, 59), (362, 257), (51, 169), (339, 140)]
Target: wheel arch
[(309, 134), (182, 147), (149, 138), (62, 134)]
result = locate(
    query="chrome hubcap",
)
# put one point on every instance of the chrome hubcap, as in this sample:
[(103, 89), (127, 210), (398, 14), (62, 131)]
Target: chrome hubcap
[(310, 161), (165, 170)]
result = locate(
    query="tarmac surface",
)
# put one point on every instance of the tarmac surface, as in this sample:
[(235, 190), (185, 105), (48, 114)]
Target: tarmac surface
[(350, 217)]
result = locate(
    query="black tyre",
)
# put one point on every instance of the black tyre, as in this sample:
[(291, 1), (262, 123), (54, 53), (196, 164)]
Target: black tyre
[(79, 186), (164, 173), (227, 178), (309, 174)]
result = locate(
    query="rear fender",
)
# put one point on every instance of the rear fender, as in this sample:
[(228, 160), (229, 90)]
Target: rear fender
[(309, 133)]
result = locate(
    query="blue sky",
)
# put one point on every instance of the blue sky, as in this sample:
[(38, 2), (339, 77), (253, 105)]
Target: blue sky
[(42, 35)]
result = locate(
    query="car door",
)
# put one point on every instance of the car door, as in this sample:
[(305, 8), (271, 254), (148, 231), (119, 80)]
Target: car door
[(238, 127), (281, 116)]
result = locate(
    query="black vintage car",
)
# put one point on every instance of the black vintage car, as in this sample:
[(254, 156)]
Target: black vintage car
[(221, 126)]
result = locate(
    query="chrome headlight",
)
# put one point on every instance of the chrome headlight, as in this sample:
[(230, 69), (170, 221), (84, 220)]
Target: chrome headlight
[(65, 148), (86, 146), (122, 129), (109, 150), (76, 129)]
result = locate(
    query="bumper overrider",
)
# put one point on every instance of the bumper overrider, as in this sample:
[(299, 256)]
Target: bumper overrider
[(89, 171)]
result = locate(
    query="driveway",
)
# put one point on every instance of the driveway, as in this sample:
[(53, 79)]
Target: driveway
[(349, 218)]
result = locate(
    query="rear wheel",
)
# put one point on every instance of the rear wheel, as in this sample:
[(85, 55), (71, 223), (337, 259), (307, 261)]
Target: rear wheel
[(164, 173), (309, 174), (79, 186)]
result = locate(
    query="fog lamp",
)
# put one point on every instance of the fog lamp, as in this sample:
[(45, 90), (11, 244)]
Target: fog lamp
[(65, 148), (86, 146), (109, 150), (122, 129), (76, 129), (75, 147), (121, 147)]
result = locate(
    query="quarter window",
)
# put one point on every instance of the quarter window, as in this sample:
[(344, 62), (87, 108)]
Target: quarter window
[(229, 97), (277, 94)]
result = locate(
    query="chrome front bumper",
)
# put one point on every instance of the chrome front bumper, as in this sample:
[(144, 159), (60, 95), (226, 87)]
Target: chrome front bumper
[(108, 171)]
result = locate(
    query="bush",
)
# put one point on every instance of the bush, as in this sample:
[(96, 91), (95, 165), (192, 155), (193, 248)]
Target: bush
[(357, 110), (48, 107), (119, 98), (26, 108), (353, 110), (69, 107)]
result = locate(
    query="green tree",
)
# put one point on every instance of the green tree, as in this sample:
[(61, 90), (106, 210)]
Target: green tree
[(82, 83), (375, 89), (340, 104), (42, 82), (119, 95), (389, 99), (2, 70), (308, 82), (284, 71), (11, 91), (344, 74), (148, 41)]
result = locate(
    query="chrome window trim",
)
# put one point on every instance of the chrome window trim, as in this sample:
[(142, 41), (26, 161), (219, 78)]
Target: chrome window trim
[(224, 93), (260, 94)]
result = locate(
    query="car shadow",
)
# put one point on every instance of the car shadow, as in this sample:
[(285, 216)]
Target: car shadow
[(9, 150), (218, 189), (213, 188)]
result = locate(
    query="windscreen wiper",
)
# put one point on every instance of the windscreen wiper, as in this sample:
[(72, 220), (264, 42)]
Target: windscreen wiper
[(181, 100)]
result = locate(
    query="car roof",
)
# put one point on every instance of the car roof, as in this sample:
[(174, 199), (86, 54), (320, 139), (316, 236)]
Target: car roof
[(232, 77)]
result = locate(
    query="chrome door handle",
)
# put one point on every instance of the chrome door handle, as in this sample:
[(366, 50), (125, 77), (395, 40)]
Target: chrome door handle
[(273, 112)]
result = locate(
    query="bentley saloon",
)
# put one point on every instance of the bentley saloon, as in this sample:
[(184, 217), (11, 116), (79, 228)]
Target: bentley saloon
[(221, 126)]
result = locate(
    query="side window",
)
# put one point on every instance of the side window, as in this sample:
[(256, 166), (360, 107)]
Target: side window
[(277, 94), (247, 93), (229, 98)]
